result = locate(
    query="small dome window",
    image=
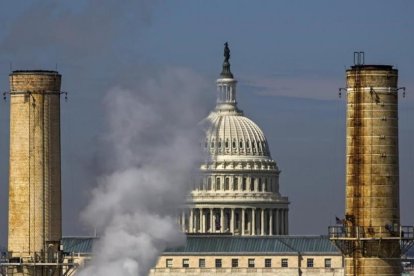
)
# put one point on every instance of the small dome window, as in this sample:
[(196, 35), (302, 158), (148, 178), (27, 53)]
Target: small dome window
[(241, 144), (227, 143), (247, 144), (234, 144), (219, 144)]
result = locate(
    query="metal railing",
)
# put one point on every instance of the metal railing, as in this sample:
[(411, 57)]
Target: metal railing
[(397, 232)]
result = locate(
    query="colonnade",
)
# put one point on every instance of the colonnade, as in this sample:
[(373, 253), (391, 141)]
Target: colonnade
[(238, 221)]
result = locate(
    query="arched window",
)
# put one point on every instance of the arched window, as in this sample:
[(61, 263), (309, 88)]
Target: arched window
[(227, 143), (212, 143), (219, 144), (252, 184), (247, 144), (218, 183), (235, 184), (244, 184), (234, 144), (241, 144), (227, 184), (209, 184)]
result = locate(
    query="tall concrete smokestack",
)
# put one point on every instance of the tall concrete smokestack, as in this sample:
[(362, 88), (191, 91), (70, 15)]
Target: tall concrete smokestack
[(35, 213), (371, 234)]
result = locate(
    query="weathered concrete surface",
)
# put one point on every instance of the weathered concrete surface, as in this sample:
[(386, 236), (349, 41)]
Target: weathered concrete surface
[(372, 174), (35, 225)]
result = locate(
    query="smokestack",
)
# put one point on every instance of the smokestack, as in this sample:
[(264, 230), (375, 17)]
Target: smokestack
[(372, 174), (35, 223), (371, 236)]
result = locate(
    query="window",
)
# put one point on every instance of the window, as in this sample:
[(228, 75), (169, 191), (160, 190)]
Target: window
[(186, 263), (328, 262), (250, 262), (260, 185), (219, 144), (268, 262), (244, 184), (201, 263), (212, 143), (247, 144), (218, 183), (252, 184), (218, 262), (236, 184), (209, 184), (309, 262), (285, 263), (234, 262), (234, 144), (241, 144), (227, 184), (168, 263), (227, 143)]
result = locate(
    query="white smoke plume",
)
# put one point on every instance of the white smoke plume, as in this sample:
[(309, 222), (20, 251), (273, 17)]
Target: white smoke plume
[(150, 151)]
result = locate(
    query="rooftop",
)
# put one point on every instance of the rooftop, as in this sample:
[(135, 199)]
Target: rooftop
[(229, 245)]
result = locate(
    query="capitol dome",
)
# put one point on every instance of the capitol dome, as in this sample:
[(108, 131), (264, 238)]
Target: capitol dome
[(232, 134), (238, 188)]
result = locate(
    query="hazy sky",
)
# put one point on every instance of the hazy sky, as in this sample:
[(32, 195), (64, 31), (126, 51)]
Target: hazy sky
[(289, 57)]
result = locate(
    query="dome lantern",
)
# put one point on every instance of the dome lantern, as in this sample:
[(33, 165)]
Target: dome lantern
[(226, 86)]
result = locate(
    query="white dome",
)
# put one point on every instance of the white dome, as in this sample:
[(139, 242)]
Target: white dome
[(229, 133)]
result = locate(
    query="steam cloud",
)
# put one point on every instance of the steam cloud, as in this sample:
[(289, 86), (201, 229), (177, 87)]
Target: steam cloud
[(152, 149)]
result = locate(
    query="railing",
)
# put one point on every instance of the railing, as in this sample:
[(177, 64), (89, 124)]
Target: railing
[(372, 232)]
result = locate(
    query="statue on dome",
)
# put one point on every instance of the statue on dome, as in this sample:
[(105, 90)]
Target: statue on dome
[(226, 52)]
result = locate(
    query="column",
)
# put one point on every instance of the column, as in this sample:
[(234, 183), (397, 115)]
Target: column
[(277, 222), (211, 220), (232, 221), (183, 221), (191, 222), (262, 220), (243, 221), (253, 221), (271, 222), (202, 221), (286, 222), (221, 220), (282, 222)]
